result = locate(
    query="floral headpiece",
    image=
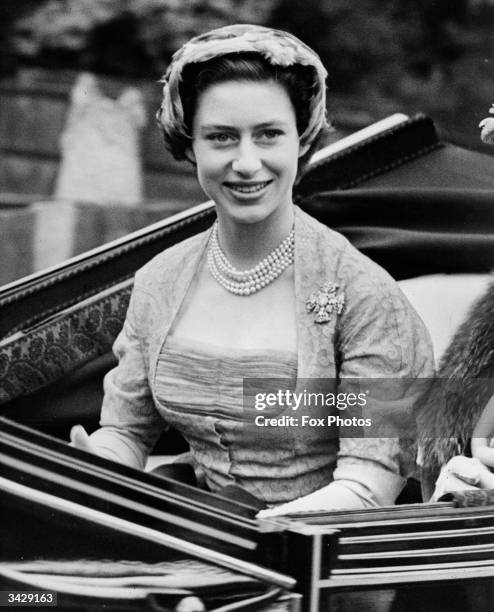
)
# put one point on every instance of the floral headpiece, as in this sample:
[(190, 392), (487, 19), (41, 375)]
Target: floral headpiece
[(279, 48)]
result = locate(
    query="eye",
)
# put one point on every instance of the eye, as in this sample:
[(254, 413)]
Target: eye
[(270, 134), (219, 137)]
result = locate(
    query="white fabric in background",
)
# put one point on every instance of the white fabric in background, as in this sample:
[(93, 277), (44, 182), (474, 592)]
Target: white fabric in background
[(100, 146), (443, 301), (53, 236)]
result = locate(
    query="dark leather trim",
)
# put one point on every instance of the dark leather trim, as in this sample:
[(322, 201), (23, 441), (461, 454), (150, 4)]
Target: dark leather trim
[(373, 156), (37, 298)]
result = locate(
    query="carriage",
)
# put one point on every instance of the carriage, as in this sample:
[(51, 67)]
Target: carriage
[(99, 535)]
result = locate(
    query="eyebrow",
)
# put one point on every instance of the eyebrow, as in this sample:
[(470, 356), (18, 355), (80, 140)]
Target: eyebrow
[(264, 124)]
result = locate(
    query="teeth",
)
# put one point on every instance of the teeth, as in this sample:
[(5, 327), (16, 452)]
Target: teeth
[(248, 188)]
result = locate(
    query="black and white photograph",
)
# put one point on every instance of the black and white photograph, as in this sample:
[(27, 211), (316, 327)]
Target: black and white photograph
[(247, 305)]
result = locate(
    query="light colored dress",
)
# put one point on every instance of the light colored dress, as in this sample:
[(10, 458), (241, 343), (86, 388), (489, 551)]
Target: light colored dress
[(376, 335), (199, 388)]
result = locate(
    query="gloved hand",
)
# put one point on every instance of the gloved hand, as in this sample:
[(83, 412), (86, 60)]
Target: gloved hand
[(337, 495), (79, 439), (462, 474)]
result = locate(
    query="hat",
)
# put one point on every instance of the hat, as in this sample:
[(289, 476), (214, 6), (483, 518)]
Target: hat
[(277, 47)]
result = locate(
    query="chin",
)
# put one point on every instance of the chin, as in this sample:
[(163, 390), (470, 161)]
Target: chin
[(247, 213)]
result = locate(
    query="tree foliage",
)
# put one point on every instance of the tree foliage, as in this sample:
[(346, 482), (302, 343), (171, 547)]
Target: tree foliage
[(434, 56), (124, 37)]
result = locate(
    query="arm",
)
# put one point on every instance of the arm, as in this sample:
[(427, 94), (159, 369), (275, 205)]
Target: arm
[(130, 424), (380, 337), (355, 486)]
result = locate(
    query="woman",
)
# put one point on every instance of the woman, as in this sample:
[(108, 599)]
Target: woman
[(267, 293)]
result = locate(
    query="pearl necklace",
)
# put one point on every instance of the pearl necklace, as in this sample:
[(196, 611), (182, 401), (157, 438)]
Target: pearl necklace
[(246, 282)]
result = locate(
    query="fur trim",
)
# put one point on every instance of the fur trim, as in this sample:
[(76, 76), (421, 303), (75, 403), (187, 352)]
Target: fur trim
[(464, 384)]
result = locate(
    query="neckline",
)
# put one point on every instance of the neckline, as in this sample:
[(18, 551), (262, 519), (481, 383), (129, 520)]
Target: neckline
[(202, 347)]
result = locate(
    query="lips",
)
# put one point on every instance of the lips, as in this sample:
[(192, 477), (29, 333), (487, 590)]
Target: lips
[(247, 188)]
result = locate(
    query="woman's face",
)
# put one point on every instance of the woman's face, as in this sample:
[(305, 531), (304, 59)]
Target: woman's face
[(246, 148)]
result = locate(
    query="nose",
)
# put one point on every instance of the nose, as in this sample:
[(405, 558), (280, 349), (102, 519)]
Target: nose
[(247, 161)]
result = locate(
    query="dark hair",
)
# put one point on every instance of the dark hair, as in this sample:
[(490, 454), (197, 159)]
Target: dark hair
[(297, 80), (196, 78)]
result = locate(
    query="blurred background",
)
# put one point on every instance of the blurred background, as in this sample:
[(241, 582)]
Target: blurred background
[(81, 158)]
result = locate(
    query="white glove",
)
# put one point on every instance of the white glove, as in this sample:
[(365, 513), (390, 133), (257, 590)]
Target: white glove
[(462, 474), (334, 496), (79, 439)]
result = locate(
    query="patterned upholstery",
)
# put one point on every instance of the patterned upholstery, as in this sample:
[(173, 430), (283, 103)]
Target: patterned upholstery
[(32, 359)]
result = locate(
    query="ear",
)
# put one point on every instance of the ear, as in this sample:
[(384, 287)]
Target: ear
[(302, 149), (190, 155)]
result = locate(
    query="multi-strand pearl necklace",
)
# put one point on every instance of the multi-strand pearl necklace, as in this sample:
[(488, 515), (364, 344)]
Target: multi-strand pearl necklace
[(246, 282)]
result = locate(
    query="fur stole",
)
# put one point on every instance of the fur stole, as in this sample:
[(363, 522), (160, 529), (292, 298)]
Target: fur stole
[(464, 384)]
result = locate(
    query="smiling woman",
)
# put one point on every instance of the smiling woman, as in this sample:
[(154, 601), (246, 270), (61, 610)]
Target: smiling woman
[(248, 164), (267, 294)]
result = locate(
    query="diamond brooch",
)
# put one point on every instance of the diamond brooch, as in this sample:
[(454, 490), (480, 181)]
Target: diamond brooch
[(325, 302)]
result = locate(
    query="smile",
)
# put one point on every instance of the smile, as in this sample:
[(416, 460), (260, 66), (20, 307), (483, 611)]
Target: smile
[(247, 187)]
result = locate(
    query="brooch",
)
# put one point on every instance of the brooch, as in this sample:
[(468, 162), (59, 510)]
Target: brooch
[(325, 302)]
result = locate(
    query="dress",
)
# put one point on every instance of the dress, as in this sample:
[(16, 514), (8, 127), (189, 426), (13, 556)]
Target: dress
[(377, 334), (199, 390)]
